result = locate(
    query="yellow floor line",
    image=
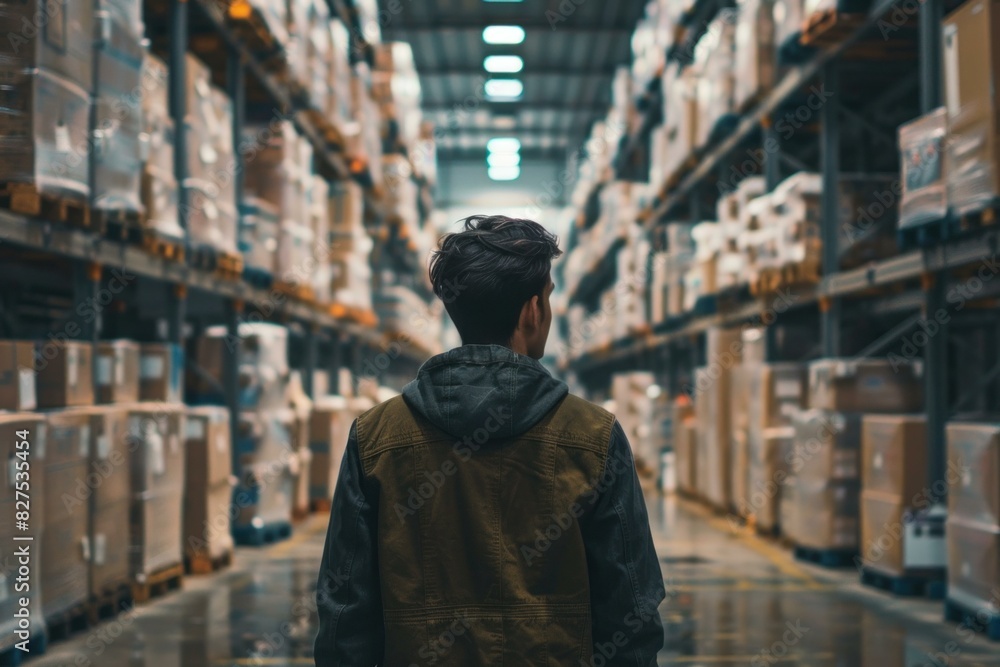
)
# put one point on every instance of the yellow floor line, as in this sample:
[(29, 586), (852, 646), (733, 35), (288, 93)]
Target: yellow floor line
[(298, 537)]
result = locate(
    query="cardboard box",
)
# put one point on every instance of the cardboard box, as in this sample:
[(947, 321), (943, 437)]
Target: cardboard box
[(827, 446), (56, 37), (974, 472), (161, 367), (117, 371), (207, 483), (775, 392), (865, 385), (12, 430), (109, 482), (921, 149), (894, 455), (64, 374), (971, 77), (65, 548), (820, 515), (973, 563), (883, 517), (265, 480), (17, 375), (109, 547), (767, 473), (685, 444), (329, 430)]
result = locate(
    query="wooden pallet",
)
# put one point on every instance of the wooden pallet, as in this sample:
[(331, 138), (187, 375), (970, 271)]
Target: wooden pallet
[(26, 199), (352, 314), (120, 225), (159, 583), (204, 563), (973, 220), (768, 281), (984, 620), (109, 602), (162, 246), (296, 291), (229, 267), (832, 558), (906, 585), (829, 27)]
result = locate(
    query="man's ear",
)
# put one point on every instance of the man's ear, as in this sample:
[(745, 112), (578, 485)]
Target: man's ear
[(529, 314)]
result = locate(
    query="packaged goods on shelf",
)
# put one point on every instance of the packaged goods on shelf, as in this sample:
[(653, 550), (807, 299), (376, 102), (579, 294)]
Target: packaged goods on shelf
[(159, 183), (64, 374), (971, 75), (265, 461), (156, 444), (713, 61), (401, 311), (339, 104), (401, 193), (161, 372), (424, 154), (686, 447), (127, 13), (921, 147), (712, 407), (865, 385), (117, 376), (788, 18), (754, 57), (368, 19), (295, 261), (65, 542), (275, 17), (635, 407), (667, 288), (827, 445), (259, 234), (739, 453), (301, 407), (329, 428), (893, 479), (117, 144), (651, 35), (207, 483), (973, 526), (319, 224), (110, 508), (732, 209), (767, 470), (63, 47), (623, 99), (396, 90), (681, 117), (211, 176), (701, 279), (12, 424), (362, 137), (820, 515), (298, 46), (263, 368), (17, 375)]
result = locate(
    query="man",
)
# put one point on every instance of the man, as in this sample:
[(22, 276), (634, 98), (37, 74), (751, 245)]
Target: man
[(486, 516)]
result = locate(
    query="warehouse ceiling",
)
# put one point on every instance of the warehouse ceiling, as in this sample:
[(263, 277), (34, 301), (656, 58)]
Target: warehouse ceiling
[(570, 51)]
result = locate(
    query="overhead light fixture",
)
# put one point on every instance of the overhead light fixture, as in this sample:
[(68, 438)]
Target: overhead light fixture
[(503, 145), (503, 64), (505, 89), (503, 159), (504, 173), (503, 34), (504, 122)]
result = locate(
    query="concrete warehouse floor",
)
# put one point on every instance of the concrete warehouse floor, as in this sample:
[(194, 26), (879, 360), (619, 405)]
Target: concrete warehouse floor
[(733, 599)]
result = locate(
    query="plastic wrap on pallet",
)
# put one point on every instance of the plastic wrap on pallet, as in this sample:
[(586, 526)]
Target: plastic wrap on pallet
[(65, 545), (921, 146), (363, 139), (127, 13), (973, 471), (768, 469), (158, 188), (259, 234), (109, 543), (820, 514), (56, 38), (339, 103), (971, 75), (755, 52), (634, 407), (117, 134), (207, 482), (156, 432), (329, 428), (295, 261), (714, 63), (973, 564), (44, 120), (297, 48), (827, 445), (117, 376), (866, 385), (12, 429), (265, 460)]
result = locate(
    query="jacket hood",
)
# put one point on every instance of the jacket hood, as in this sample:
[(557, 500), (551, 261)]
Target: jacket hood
[(476, 388)]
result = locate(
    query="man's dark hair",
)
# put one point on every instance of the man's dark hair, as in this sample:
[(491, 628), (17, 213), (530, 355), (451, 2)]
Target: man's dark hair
[(487, 272)]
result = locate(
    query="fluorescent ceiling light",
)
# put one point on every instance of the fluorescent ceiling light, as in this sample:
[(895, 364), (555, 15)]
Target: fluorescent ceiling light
[(504, 173), (504, 88), (503, 159), (503, 145), (503, 64), (503, 34)]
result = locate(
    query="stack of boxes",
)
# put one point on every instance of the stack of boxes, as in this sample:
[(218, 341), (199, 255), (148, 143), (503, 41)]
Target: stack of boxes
[(111, 502), (117, 137), (714, 64), (685, 439), (158, 188), (329, 429), (973, 528), (396, 90), (921, 147), (669, 269), (820, 501), (350, 247), (207, 537), (212, 176), (46, 116), (635, 397), (402, 312), (713, 396)]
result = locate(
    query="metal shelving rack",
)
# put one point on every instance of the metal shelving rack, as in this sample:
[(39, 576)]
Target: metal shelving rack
[(169, 301), (915, 283)]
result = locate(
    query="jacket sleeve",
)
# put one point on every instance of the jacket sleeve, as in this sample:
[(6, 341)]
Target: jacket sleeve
[(348, 595), (626, 584)]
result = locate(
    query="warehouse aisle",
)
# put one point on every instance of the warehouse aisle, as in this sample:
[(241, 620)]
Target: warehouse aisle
[(732, 600)]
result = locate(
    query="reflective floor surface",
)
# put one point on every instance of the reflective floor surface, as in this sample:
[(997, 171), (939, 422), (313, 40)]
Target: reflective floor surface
[(733, 599)]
